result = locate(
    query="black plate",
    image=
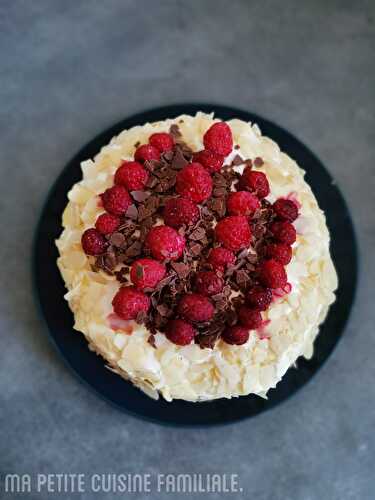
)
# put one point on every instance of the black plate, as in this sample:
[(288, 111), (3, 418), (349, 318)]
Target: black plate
[(91, 368)]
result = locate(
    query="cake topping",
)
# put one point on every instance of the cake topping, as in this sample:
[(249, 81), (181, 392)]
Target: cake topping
[(194, 240), (116, 200), (131, 175), (130, 303), (107, 223)]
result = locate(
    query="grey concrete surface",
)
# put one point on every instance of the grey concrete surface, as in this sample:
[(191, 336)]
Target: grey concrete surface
[(69, 69)]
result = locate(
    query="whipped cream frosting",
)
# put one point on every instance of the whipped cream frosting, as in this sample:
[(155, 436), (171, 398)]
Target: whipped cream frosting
[(190, 372)]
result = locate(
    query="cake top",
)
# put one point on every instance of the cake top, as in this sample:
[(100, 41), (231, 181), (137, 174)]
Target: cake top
[(198, 249)]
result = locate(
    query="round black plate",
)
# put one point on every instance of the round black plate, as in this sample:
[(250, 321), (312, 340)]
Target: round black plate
[(91, 368)]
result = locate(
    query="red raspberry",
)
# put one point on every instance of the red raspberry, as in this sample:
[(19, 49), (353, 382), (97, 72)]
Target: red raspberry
[(164, 242), (284, 232), (208, 283), (179, 332), (116, 200), (195, 307), (146, 273), (210, 160), (236, 335), (146, 152), (280, 252), (259, 298), (218, 139), (179, 211), (220, 258), (93, 243), (129, 302), (242, 203), (132, 175), (256, 182), (194, 182), (251, 318), (161, 141), (272, 274), (286, 209), (233, 232), (107, 223)]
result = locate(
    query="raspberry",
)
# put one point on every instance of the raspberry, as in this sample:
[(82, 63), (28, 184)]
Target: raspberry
[(242, 203), (179, 211), (129, 302), (116, 200), (284, 232), (285, 209), (146, 152), (161, 141), (236, 335), (279, 252), (93, 243), (210, 160), (194, 182), (208, 283), (272, 274), (195, 307), (259, 298), (107, 223), (179, 332), (132, 175), (146, 273), (233, 232), (220, 258), (218, 139), (164, 242), (256, 182), (251, 318)]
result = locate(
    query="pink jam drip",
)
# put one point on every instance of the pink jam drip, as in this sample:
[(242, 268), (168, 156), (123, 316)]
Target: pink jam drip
[(293, 197), (280, 292), (116, 323), (261, 331)]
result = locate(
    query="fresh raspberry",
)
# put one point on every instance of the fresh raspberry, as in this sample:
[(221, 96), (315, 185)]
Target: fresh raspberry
[(195, 307), (93, 243), (179, 211), (179, 332), (132, 175), (218, 139), (280, 252), (251, 318), (210, 160), (242, 203), (194, 182), (256, 182), (164, 242), (236, 335), (284, 232), (220, 258), (161, 141), (208, 283), (107, 223), (233, 232), (116, 200), (146, 273), (129, 302), (285, 209), (259, 298), (146, 152), (272, 274)]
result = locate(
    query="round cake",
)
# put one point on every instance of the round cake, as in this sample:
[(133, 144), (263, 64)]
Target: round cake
[(196, 259)]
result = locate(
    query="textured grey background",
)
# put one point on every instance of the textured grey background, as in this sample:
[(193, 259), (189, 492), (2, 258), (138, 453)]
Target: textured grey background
[(69, 69)]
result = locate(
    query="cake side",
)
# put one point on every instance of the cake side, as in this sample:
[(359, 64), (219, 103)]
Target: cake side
[(190, 372)]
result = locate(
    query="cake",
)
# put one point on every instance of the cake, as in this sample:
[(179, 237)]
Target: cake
[(196, 259)]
